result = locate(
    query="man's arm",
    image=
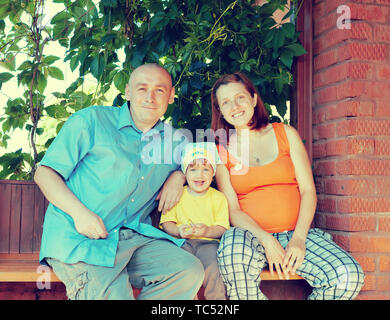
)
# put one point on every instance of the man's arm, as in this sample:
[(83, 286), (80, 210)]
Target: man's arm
[(57, 192), (171, 191)]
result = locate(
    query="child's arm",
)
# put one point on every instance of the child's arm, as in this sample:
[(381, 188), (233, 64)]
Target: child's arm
[(214, 232), (183, 231)]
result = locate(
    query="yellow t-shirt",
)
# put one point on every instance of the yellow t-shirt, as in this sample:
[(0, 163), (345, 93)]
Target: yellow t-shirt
[(210, 208)]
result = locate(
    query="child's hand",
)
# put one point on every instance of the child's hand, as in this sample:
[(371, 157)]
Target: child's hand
[(199, 229), (185, 231)]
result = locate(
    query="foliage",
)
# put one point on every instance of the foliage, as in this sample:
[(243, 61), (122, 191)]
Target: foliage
[(196, 40)]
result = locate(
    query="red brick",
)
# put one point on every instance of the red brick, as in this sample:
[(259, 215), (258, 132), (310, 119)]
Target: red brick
[(382, 108), (350, 186), (325, 59), (350, 222), (349, 108), (324, 131), (363, 167), (366, 262), (379, 244), (384, 263), (349, 146), (369, 283), (325, 95), (366, 127), (362, 204), (318, 151), (352, 242), (374, 13), (348, 70), (382, 147), (382, 33), (382, 186), (383, 72), (384, 224), (365, 51), (378, 90), (373, 296), (324, 168), (326, 204), (383, 283)]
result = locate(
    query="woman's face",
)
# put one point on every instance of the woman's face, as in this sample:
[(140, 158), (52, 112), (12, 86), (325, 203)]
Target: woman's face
[(236, 104)]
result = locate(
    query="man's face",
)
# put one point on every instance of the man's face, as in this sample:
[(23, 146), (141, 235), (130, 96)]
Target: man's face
[(149, 92)]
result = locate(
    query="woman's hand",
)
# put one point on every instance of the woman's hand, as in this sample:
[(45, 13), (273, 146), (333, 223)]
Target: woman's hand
[(275, 254), (295, 254)]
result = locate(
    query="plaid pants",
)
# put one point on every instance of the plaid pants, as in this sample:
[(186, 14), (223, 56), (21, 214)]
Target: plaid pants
[(331, 271)]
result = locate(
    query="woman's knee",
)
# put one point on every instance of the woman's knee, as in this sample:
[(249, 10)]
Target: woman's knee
[(350, 280)]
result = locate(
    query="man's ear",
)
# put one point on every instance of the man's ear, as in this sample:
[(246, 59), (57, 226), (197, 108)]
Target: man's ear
[(127, 92), (172, 96)]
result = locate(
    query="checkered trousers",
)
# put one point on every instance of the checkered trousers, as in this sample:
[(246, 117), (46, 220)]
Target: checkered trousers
[(331, 271)]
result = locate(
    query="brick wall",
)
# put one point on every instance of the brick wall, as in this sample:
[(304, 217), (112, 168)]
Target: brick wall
[(351, 133)]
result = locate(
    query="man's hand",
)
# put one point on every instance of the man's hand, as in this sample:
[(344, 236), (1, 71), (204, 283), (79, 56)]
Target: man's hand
[(171, 191), (90, 225)]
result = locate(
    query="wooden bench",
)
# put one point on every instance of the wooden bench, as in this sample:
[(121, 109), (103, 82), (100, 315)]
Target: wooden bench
[(22, 210)]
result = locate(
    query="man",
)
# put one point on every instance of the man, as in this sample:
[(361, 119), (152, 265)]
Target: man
[(97, 234)]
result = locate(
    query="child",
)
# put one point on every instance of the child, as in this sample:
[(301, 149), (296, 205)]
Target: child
[(201, 216)]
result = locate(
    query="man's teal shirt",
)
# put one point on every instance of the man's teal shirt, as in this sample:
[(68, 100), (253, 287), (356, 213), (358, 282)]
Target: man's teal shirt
[(116, 171)]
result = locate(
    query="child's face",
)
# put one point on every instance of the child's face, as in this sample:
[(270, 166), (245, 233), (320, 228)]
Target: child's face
[(199, 175)]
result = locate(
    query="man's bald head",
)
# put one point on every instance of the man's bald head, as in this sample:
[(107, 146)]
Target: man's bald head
[(149, 67)]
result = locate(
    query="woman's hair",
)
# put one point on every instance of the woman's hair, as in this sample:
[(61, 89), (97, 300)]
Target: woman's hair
[(260, 116)]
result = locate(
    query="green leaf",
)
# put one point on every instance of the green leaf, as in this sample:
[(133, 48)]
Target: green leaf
[(25, 65), (287, 59), (56, 73), (61, 16), (109, 3), (57, 111), (288, 30), (296, 49), (42, 82), (97, 66), (120, 80), (4, 77), (108, 37), (278, 85), (9, 62), (278, 39), (50, 59)]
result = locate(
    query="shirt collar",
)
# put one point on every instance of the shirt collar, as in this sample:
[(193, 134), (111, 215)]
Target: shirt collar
[(125, 120)]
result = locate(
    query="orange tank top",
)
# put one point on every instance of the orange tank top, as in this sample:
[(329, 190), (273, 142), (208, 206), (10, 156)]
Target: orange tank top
[(269, 194)]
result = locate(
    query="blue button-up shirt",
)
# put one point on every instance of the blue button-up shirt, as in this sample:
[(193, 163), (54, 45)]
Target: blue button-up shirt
[(116, 171)]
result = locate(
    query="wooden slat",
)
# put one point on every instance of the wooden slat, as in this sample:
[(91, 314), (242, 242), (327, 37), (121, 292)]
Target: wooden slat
[(15, 218), (39, 213), (5, 213), (27, 219), (24, 268), (266, 275)]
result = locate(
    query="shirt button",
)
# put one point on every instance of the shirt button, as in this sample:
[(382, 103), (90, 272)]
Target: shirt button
[(142, 178), (132, 200), (115, 230)]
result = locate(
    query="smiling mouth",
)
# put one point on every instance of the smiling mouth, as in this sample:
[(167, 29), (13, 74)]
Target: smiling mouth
[(239, 114), (199, 183)]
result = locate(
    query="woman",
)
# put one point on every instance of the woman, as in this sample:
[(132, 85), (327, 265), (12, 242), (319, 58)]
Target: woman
[(268, 182)]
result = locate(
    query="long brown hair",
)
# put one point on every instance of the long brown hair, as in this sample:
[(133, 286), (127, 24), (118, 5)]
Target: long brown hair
[(260, 116)]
